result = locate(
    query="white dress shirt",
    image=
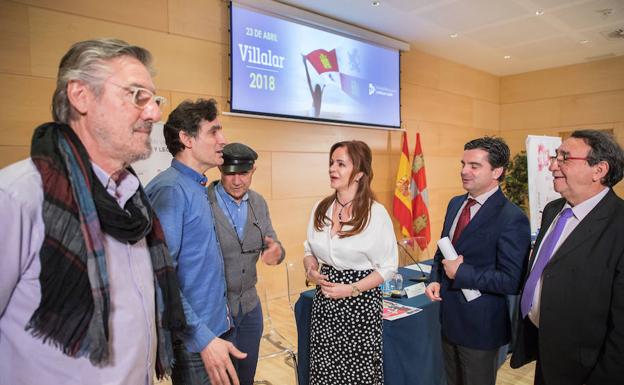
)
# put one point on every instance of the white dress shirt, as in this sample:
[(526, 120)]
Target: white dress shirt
[(473, 210), (27, 360), (374, 248)]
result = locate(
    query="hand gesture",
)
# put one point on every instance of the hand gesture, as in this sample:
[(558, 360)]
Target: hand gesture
[(273, 252), (335, 290), (216, 357)]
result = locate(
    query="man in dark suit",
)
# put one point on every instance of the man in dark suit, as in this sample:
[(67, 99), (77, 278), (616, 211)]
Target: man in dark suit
[(572, 303), (492, 237)]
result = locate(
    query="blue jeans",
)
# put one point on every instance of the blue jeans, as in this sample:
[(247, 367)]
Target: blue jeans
[(246, 336), (188, 368)]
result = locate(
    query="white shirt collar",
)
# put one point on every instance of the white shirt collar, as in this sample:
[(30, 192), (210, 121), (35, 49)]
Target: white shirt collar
[(483, 197), (582, 209)]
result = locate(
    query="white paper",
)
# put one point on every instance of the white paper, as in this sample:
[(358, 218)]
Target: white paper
[(423, 267), (447, 249), (415, 290)]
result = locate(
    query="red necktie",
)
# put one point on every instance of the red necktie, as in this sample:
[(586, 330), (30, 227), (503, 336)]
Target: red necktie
[(464, 219)]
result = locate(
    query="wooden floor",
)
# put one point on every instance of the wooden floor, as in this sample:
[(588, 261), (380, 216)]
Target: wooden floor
[(278, 372)]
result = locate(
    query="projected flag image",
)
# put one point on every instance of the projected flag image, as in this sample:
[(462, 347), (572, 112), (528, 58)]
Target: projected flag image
[(283, 68)]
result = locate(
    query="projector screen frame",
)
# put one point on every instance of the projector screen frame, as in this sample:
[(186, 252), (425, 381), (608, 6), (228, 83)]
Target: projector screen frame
[(305, 18)]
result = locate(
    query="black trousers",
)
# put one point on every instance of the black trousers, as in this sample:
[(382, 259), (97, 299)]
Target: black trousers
[(466, 366)]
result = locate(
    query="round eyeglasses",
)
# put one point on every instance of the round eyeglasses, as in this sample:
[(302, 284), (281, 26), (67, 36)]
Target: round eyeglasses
[(141, 97)]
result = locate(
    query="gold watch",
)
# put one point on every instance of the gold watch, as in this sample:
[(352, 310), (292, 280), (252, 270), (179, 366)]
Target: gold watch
[(355, 291)]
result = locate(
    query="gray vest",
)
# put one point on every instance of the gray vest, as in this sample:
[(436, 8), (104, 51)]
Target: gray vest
[(240, 268)]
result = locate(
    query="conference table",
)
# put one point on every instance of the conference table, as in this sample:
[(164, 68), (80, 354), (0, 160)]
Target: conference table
[(412, 352)]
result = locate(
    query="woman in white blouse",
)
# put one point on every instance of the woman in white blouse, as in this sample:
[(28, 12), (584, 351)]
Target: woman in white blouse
[(352, 237)]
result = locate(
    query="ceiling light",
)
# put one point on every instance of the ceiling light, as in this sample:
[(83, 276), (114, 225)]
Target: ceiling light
[(584, 41), (376, 3), (507, 57), (539, 12), (453, 35)]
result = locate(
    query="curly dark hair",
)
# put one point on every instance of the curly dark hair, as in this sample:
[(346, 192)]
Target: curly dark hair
[(187, 117)]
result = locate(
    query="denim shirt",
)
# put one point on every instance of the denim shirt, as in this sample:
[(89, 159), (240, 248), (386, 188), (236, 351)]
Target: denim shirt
[(178, 196)]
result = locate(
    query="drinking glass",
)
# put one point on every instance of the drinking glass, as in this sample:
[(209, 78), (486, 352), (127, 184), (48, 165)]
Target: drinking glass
[(397, 284)]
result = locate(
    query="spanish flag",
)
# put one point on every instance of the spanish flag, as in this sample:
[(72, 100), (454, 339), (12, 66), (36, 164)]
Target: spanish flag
[(421, 227), (402, 204)]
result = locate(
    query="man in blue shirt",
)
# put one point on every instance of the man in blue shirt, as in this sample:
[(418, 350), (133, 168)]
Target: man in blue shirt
[(194, 137)]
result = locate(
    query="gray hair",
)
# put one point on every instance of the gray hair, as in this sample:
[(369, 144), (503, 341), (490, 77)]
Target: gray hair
[(87, 61)]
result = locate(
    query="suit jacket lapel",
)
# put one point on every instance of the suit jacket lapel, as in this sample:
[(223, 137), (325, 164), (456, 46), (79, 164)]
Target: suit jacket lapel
[(593, 223), (487, 211), (451, 213)]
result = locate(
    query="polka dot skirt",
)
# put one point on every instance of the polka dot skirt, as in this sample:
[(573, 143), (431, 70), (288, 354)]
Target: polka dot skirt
[(345, 335)]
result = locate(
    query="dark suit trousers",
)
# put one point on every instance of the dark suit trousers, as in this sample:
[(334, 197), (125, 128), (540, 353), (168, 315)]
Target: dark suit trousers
[(465, 366)]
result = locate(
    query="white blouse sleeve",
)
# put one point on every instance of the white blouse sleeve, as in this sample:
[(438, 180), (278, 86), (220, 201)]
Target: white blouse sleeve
[(384, 255)]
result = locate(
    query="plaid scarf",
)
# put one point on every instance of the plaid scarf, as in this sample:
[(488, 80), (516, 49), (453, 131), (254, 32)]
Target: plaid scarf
[(77, 211)]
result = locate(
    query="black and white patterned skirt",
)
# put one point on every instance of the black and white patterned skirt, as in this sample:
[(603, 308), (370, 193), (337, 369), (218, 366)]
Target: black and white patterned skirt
[(345, 335)]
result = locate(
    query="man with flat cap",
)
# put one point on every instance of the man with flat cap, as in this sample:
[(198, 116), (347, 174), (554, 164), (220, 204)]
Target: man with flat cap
[(245, 234)]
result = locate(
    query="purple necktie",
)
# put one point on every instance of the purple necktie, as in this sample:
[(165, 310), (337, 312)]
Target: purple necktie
[(543, 257)]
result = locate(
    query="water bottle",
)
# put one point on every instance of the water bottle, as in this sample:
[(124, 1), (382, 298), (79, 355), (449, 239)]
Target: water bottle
[(385, 288)]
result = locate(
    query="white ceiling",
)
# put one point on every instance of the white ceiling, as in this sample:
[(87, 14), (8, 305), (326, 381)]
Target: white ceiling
[(489, 30)]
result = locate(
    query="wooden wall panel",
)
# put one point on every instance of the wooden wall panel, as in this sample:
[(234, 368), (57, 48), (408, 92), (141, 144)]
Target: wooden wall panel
[(384, 173), (530, 115), (290, 218), (283, 136), (11, 154), (426, 104), (147, 14), (377, 139), (24, 104), (443, 172), (593, 108), (462, 80), (52, 33), (425, 70), (14, 39), (201, 19), (598, 76), (300, 175), (419, 68), (486, 115)]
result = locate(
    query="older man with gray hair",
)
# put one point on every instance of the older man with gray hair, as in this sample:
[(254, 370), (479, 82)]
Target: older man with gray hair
[(572, 305), (88, 293)]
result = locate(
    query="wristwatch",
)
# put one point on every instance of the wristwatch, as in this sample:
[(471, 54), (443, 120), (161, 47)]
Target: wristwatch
[(355, 291)]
